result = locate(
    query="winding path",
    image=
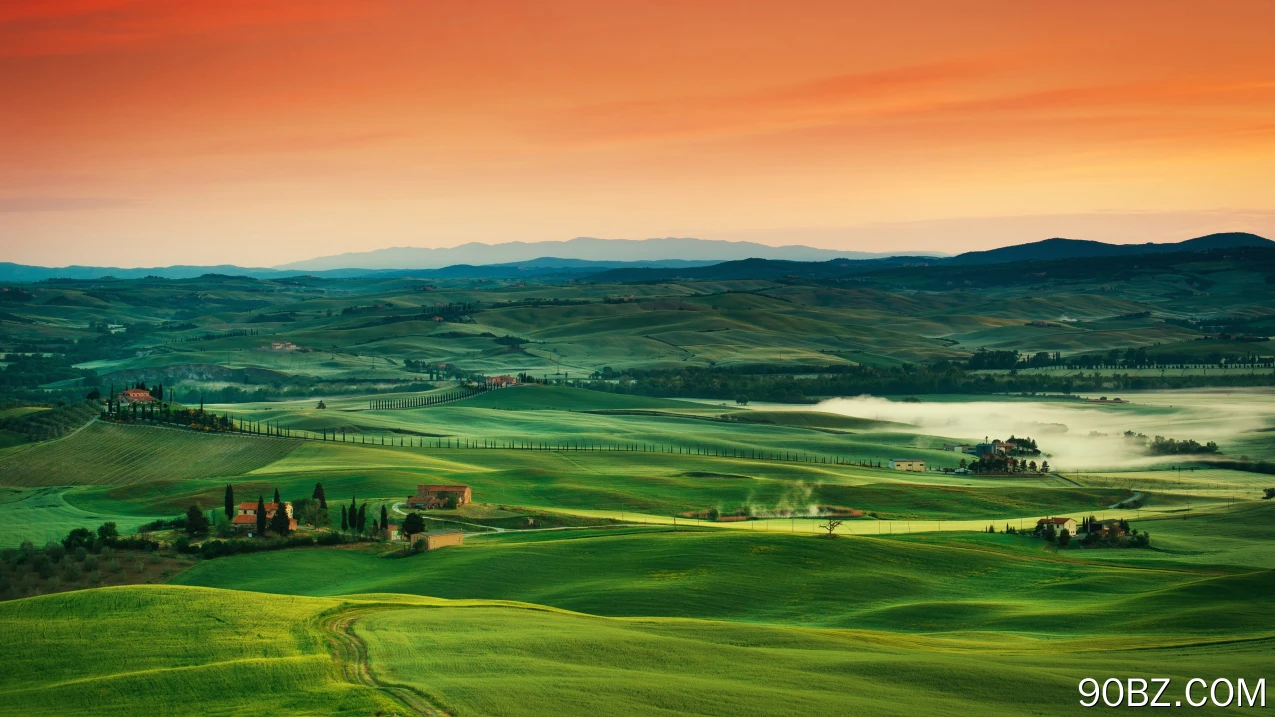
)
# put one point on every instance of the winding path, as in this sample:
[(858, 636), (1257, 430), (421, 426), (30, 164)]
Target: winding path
[(351, 654)]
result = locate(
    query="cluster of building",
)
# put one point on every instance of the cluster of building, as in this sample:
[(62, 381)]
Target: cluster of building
[(245, 519), (986, 448), (1103, 528), (427, 497), (136, 395)]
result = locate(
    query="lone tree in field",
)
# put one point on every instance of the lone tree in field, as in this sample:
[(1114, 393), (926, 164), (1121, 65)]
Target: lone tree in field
[(345, 520), (319, 496), (230, 502), (412, 525), (1044, 466), (279, 523), (1269, 493), (831, 526), (261, 516), (196, 521)]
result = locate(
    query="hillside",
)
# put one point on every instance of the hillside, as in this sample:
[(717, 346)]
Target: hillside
[(1051, 249)]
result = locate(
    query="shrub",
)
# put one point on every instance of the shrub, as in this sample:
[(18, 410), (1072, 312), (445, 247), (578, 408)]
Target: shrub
[(81, 554), (139, 567), (53, 583), (55, 551), (90, 563), (114, 566), (71, 572)]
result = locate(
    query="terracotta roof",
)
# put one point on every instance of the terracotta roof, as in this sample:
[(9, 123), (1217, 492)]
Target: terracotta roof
[(439, 488), (252, 505), (1055, 521), (244, 520)]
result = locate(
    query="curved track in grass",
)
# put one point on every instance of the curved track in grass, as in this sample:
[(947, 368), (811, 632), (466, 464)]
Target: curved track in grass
[(351, 654)]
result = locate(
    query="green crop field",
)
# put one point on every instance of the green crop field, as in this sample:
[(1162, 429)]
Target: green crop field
[(512, 661), (172, 651), (110, 454)]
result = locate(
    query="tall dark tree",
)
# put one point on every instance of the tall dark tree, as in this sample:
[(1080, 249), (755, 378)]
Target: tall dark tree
[(354, 512), (345, 520), (261, 516), (319, 495), (196, 521), (280, 524), (230, 502), (412, 525), (276, 496), (385, 517), (362, 517)]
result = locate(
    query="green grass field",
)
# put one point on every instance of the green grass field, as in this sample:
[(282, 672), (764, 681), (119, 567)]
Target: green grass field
[(172, 651), (110, 454), (515, 661)]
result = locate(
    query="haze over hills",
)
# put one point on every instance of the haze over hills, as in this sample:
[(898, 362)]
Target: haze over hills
[(616, 262), (585, 248)]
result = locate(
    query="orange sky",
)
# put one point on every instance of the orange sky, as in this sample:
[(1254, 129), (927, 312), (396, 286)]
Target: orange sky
[(256, 132)]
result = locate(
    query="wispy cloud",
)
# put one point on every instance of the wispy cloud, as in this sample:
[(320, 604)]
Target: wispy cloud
[(73, 27), (60, 204)]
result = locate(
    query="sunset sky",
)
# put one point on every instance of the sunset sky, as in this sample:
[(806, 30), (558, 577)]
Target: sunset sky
[(257, 132)]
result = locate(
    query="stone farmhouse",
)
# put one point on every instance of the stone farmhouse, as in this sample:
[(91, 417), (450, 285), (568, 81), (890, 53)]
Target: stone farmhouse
[(246, 516), (430, 497), (1060, 524), (136, 395)]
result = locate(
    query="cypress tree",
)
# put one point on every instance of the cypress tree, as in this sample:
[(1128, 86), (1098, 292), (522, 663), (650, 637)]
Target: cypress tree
[(230, 502), (319, 496), (345, 522), (385, 517), (276, 496), (354, 511), (280, 524), (362, 517), (261, 516)]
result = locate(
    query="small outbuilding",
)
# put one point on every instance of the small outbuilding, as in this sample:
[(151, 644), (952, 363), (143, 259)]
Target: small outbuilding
[(435, 539), (907, 464)]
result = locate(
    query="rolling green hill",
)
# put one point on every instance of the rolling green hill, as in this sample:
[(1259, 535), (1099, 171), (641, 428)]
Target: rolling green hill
[(172, 651), (111, 454)]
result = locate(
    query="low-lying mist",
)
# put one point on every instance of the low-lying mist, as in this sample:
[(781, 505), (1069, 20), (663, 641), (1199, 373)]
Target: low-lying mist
[(1074, 435)]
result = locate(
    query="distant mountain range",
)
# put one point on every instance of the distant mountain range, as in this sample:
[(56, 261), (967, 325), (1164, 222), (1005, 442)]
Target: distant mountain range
[(582, 248), (1046, 250), (633, 260)]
